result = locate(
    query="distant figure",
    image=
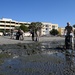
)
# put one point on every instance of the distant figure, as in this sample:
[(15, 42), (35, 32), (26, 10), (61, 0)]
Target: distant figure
[(68, 31), (11, 34), (32, 33), (37, 36), (18, 35), (21, 35)]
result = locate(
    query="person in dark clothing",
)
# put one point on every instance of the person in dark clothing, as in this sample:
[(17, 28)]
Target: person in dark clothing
[(32, 33), (68, 30), (12, 36), (18, 35)]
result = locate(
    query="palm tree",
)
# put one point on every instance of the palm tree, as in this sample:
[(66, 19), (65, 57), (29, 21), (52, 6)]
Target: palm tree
[(36, 26)]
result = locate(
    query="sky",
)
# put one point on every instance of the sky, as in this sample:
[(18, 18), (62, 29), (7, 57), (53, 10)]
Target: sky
[(53, 11)]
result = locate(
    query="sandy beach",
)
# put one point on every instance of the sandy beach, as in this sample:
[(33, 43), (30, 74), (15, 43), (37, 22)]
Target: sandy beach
[(7, 40), (28, 57)]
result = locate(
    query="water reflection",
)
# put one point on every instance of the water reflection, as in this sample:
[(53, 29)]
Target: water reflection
[(70, 62), (47, 60), (69, 56)]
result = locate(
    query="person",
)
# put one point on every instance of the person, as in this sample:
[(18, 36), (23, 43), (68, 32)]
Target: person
[(68, 34), (37, 35), (12, 36), (18, 34), (32, 33), (21, 34)]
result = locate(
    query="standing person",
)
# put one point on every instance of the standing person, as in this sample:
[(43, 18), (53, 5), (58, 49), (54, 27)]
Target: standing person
[(32, 33), (37, 35), (18, 35), (21, 35), (68, 30), (11, 34)]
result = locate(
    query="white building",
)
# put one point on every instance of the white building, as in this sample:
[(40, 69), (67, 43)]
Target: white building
[(47, 27), (8, 24)]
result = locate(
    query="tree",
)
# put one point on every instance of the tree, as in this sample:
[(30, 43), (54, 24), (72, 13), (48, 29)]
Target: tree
[(24, 28), (17, 27), (54, 32), (36, 26)]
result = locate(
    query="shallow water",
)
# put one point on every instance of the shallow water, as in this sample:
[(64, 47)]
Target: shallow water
[(48, 62)]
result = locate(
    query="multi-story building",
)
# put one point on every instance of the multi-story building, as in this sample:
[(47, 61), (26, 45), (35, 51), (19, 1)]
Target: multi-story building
[(8, 24), (47, 27)]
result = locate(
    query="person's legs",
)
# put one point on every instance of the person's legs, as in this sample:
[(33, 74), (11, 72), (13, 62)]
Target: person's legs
[(32, 36), (22, 37), (72, 42), (67, 41)]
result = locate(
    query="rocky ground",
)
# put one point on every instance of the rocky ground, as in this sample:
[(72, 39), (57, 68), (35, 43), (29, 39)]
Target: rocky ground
[(46, 57)]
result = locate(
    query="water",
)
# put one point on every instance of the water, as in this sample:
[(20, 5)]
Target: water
[(49, 61)]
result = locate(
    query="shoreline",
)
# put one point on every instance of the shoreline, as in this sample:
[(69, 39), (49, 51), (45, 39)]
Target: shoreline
[(7, 40)]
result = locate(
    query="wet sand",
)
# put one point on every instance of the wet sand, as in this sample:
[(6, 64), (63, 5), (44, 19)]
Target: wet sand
[(35, 58), (7, 40)]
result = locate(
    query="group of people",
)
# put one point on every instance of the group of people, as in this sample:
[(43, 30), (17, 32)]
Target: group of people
[(19, 34), (69, 34)]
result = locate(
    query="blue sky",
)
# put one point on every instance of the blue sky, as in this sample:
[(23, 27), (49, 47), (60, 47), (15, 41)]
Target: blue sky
[(54, 11)]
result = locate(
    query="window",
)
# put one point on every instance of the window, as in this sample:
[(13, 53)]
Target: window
[(13, 22), (53, 27), (46, 28), (2, 21), (7, 21), (2, 25)]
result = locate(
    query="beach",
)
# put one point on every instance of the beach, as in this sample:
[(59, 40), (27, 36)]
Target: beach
[(29, 57)]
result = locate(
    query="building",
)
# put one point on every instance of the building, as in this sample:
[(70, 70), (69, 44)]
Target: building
[(61, 31), (47, 27), (8, 24)]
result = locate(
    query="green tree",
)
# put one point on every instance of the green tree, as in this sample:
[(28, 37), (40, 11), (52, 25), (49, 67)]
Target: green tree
[(24, 28), (54, 32), (17, 27), (36, 26)]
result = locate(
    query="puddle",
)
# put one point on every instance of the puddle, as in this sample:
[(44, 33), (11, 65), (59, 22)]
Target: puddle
[(48, 62)]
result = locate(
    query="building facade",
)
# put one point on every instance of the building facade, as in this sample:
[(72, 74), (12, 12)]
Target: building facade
[(47, 27), (8, 24), (61, 31)]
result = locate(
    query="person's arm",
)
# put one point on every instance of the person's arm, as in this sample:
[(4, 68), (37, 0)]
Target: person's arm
[(72, 31)]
